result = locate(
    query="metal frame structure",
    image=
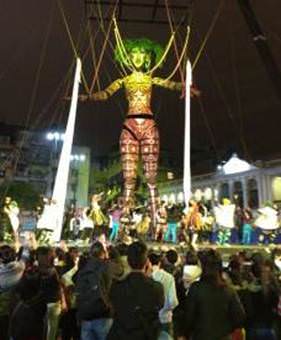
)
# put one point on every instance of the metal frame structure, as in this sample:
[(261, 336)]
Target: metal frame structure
[(262, 46), (156, 6)]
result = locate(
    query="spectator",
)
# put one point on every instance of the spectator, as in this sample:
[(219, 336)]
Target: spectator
[(136, 300), (68, 322), (171, 301), (92, 288), (212, 310), (11, 272), (262, 309), (51, 289), (28, 318)]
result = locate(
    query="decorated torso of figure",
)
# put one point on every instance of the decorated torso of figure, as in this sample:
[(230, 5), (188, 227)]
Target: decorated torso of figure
[(138, 88)]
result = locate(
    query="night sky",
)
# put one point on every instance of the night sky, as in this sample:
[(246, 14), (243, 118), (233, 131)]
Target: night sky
[(241, 111)]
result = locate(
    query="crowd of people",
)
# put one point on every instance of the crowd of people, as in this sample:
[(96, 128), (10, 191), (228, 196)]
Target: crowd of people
[(223, 224), (129, 291), (198, 223)]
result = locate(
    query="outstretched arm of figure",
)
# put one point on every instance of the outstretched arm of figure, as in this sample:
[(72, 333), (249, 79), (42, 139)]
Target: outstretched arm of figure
[(104, 94), (176, 86), (168, 84)]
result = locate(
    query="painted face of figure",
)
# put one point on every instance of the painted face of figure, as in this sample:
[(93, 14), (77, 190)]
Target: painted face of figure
[(140, 58)]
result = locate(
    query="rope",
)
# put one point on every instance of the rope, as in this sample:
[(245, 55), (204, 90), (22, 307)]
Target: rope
[(174, 42), (123, 71), (164, 55), (93, 54), (121, 46), (126, 57), (36, 84), (100, 58), (208, 126), (102, 51), (72, 44), (207, 36), (183, 53)]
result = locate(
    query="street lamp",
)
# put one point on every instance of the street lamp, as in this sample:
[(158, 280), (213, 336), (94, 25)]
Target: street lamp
[(55, 136)]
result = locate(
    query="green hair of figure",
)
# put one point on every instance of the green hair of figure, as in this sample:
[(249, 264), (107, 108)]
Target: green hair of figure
[(154, 49)]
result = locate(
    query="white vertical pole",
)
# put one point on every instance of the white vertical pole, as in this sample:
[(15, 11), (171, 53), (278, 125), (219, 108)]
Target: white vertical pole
[(187, 146), (60, 187)]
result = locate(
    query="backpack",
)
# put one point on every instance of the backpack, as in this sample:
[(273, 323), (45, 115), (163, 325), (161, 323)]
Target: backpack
[(90, 294)]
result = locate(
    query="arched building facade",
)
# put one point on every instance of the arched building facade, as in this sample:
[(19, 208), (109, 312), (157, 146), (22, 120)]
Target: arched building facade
[(250, 186)]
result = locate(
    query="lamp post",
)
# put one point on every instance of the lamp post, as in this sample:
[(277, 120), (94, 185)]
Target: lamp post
[(76, 160)]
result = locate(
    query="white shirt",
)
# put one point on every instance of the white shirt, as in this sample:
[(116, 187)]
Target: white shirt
[(171, 301)]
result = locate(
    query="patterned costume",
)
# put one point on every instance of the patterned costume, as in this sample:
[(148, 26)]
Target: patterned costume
[(139, 134)]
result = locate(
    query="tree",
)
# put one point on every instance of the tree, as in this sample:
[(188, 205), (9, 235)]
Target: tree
[(23, 193)]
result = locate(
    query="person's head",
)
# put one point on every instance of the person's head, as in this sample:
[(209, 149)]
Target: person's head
[(45, 256), (212, 268), (122, 249), (137, 255), (8, 200), (7, 254), (142, 53), (191, 258), (73, 253), (113, 253), (29, 285), (97, 250), (60, 254), (172, 256), (155, 259)]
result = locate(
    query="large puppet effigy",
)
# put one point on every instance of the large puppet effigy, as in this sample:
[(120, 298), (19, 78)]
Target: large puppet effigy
[(140, 135)]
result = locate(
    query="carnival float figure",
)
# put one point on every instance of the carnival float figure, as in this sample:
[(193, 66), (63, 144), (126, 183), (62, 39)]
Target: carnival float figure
[(268, 222), (247, 226), (161, 222), (194, 222), (224, 214), (140, 135), (11, 223), (97, 215)]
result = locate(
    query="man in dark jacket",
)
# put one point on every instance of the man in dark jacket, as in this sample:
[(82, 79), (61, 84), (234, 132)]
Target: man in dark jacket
[(92, 288), (212, 309), (136, 300)]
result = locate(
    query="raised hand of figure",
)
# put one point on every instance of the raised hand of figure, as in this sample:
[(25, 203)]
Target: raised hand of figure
[(83, 97), (194, 91)]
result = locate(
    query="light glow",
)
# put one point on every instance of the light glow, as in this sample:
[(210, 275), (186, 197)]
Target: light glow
[(236, 165)]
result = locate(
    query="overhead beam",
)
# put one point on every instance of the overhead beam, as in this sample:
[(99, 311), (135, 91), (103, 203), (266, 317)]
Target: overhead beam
[(141, 21), (134, 4)]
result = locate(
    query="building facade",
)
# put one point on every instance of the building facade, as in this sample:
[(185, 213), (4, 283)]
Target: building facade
[(250, 186), (31, 156)]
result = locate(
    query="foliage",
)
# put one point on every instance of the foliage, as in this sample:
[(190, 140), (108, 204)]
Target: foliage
[(23, 193), (152, 48)]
